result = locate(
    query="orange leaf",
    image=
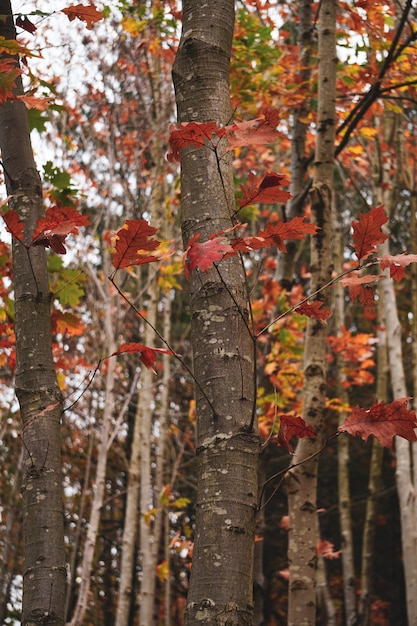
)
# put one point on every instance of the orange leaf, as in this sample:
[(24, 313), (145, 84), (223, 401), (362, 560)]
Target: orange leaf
[(397, 263), (133, 239), (260, 131), (195, 134), (88, 14), (290, 427), (383, 421)]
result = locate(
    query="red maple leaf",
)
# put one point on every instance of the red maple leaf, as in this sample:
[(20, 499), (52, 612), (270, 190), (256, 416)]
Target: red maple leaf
[(133, 240), (276, 234), (260, 131), (88, 14), (147, 354), (52, 230), (314, 310), (195, 134), (267, 189), (383, 421), (203, 255), (289, 427), (397, 263), (13, 223), (367, 233)]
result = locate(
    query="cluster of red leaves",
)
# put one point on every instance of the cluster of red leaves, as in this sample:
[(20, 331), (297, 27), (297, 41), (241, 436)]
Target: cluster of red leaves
[(51, 230), (259, 131)]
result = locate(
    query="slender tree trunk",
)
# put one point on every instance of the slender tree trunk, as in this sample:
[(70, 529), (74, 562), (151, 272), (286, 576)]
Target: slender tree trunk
[(299, 166), (368, 547), (386, 192), (343, 447), (302, 481), (36, 385), (102, 455), (223, 355)]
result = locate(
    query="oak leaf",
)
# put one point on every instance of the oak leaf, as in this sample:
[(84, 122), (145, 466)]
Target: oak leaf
[(88, 14), (367, 233), (267, 189), (134, 240), (203, 255), (383, 421), (276, 234)]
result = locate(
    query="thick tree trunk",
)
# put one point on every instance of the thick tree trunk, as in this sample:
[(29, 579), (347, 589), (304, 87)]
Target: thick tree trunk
[(36, 386), (227, 446), (302, 481)]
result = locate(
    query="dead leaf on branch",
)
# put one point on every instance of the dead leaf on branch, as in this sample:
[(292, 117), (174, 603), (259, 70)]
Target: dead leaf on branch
[(88, 14), (383, 421), (314, 310), (397, 263), (289, 427), (266, 189)]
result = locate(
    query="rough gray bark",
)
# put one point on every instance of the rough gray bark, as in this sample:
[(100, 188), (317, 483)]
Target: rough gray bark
[(36, 386), (227, 446), (302, 481)]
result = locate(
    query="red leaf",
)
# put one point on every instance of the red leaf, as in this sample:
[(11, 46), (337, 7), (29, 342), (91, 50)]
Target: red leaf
[(291, 426), (88, 14), (356, 283), (13, 224), (195, 134), (397, 263), (24, 22), (314, 310), (52, 230), (203, 255), (147, 354), (326, 548), (260, 131), (133, 239), (266, 189), (367, 233), (383, 421), (296, 228)]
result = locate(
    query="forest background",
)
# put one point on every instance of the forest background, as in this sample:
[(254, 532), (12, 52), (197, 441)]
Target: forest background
[(102, 128)]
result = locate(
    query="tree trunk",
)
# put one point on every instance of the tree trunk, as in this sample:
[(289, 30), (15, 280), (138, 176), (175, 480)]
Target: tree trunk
[(302, 481), (36, 385), (375, 470), (223, 354)]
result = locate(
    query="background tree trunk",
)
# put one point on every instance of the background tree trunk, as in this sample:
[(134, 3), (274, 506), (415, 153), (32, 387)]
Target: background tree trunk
[(36, 385), (223, 353), (302, 481)]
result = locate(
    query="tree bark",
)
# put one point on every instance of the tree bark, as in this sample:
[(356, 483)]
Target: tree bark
[(302, 481), (223, 354), (36, 385)]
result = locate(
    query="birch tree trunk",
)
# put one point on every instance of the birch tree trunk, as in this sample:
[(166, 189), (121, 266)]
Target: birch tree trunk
[(36, 386), (223, 355), (386, 193), (302, 481)]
